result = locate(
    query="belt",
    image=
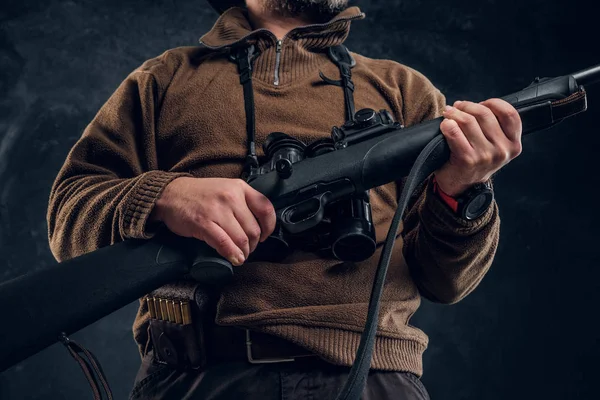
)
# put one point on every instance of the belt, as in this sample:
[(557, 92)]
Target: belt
[(236, 344), (185, 339)]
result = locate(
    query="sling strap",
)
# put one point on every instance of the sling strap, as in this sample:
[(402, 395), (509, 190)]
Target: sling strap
[(90, 366), (343, 59), (244, 57), (426, 163)]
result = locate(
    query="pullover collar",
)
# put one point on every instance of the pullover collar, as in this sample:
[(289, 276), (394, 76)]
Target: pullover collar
[(280, 63)]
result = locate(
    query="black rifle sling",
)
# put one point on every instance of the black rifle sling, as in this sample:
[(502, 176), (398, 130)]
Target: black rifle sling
[(343, 59), (425, 165), (244, 57), (422, 168)]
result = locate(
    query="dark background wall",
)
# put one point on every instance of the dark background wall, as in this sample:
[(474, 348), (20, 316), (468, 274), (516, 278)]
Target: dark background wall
[(528, 331)]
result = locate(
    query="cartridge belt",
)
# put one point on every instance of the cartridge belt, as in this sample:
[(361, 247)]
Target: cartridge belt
[(175, 338), (184, 335), (171, 310)]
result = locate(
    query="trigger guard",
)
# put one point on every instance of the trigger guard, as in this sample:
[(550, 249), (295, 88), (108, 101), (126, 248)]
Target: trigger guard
[(307, 223)]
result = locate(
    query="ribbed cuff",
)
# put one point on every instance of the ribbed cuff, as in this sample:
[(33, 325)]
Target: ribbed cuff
[(134, 222), (436, 212), (339, 347)]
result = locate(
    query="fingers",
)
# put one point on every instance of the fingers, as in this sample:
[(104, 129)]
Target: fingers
[(500, 123), (228, 214), (220, 240), (457, 141), (246, 217), (249, 224), (485, 118), (509, 118), (492, 127), (229, 223), (469, 126), (262, 208)]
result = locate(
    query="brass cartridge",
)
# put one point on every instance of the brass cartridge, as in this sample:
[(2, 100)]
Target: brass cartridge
[(186, 313), (151, 309), (157, 308), (170, 310), (177, 311), (163, 309)]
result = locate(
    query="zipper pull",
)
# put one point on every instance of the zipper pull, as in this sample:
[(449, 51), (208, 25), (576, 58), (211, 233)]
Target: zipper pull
[(277, 61)]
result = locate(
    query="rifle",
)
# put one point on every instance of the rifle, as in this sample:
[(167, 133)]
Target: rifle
[(43, 305)]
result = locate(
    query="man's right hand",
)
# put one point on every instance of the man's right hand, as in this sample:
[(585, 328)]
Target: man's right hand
[(228, 214)]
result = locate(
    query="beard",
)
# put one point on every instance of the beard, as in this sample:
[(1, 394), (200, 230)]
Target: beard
[(313, 10)]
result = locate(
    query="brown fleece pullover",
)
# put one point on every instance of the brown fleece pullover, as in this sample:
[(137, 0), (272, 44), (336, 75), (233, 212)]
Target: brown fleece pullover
[(182, 114)]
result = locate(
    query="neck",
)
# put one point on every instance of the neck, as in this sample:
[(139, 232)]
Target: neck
[(263, 18)]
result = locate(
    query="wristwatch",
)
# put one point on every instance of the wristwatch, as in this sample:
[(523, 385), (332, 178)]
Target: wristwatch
[(472, 203)]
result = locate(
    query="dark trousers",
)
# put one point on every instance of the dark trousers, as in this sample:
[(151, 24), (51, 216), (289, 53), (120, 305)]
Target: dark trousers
[(309, 378)]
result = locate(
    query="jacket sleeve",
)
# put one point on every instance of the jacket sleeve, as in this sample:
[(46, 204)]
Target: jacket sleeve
[(107, 187), (447, 256)]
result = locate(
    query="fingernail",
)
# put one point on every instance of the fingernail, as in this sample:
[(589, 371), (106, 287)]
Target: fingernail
[(237, 260), (448, 108), (241, 258), (457, 103)]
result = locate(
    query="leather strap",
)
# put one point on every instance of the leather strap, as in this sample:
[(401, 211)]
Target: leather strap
[(541, 115), (574, 104), (90, 367)]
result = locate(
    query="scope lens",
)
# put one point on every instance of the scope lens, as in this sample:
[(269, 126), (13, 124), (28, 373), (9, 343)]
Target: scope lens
[(353, 247)]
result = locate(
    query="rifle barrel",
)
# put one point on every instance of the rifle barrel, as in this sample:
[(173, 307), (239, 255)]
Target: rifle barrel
[(588, 76)]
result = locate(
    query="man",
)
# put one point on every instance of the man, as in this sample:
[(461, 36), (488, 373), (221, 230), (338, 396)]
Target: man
[(167, 151)]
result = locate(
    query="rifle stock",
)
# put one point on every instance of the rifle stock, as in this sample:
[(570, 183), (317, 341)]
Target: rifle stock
[(41, 305)]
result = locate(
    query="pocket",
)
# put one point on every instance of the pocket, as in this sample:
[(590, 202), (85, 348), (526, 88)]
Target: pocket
[(418, 384)]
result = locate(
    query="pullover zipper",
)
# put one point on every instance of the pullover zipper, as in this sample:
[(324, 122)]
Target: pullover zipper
[(279, 42), (277, 62)]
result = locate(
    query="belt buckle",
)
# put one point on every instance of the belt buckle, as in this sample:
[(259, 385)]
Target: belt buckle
[(253, 360)]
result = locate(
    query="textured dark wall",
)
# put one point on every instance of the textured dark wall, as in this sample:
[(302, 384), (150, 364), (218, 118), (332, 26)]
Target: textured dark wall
[(528, 331)]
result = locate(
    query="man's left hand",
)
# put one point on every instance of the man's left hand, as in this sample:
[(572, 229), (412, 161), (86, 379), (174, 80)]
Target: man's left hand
[(483, 137)]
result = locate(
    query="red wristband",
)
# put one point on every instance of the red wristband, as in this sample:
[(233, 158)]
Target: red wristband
[(449, 200)]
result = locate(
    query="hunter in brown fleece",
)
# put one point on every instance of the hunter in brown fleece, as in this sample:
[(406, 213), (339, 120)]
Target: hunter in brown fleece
[(182, 114)]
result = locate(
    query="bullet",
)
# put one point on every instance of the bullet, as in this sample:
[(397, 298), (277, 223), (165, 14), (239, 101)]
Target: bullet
[(163, 309), (151, 309), (170, 310), (157, 308), (177, 310), (186, 313)]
